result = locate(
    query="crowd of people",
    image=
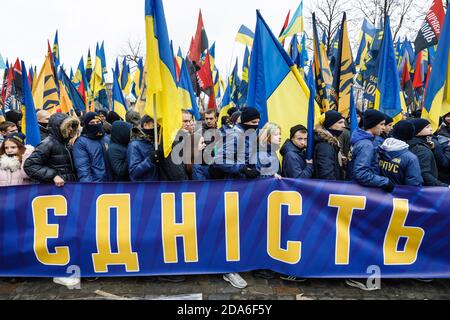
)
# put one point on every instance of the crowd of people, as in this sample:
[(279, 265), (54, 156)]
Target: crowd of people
[(100, 147)]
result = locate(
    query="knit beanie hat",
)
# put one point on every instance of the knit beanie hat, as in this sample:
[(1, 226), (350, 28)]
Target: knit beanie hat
[(372, 118), (419, 125), (249, 114), (296, 129), (331, 118), (404, 131)]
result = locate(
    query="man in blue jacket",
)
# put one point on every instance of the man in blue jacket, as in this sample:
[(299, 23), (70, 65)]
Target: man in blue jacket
[(90, 151), (142, 157), (397, 163), (295, 165), (364, 167)]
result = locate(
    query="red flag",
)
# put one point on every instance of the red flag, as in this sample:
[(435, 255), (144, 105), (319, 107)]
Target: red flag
[(200, 42), (286, 24), (431, 29), (177, 68), (212, 100), (82, 91), (204, 75), (418, 80)]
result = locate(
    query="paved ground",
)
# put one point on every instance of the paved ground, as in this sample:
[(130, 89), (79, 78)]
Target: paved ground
[(214, 288)]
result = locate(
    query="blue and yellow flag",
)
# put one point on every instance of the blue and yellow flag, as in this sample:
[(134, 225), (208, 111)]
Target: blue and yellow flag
[(243, 86), (102, 55), (311, 113), (280, 94), (437, 100), (303, 53), (30, 125), (322, 72), (125, 78), (56, 57), (187, 95), (161, 79), (245, 36), (77, 101), (89, 69), (119, 103), (296, 25), (137, 79), (368, 33), (344, 72), (388, 94)]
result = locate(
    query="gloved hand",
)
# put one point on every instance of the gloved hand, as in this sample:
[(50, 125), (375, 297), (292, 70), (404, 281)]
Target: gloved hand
[(389, 188), (157, 156), (250, 173)]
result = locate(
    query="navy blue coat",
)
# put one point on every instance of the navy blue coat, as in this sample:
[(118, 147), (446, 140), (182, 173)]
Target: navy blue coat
[(294, 162), (235, 153), (118, 149), (364, 167), (140, 167), (326, 157), (443, 160), (91, 160), (399, 164)]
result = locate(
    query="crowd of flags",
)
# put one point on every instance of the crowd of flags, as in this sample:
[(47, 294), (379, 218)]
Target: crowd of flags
[(288, 84)]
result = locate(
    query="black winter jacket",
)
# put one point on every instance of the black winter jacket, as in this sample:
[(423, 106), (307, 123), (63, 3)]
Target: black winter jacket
[(326, 157), (117, 151), (52, 157)]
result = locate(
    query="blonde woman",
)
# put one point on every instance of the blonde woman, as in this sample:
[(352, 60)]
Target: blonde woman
[(269, 144)]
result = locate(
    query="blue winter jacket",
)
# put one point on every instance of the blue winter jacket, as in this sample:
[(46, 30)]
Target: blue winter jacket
[(235, 152), (399, 164), (364, 165), (140, 167), (91, 160), (294, 162)]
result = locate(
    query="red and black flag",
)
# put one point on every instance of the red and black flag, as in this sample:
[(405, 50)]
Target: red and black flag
[(206, 81), (431, 29), (200, 43)]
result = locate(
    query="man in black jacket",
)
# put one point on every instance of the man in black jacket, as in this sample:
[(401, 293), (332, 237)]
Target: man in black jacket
[(423, 147), (52, 161), (118, 148)]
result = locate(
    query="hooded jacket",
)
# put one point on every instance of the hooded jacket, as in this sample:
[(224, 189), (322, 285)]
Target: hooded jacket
[(427, 162), (118, 149), (364, 167), (399, 164), (11, 170), (294, 162), (140, 167), (327, 157), (52, 157)]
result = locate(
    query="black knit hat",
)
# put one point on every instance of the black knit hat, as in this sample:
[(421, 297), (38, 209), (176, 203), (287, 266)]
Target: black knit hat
[(17, 136), (420, 124), (296, 129), (331, 118), (249, 114), (389, 120), (232, 110), (372, 118), (113, 117), (88, 117), (404, 131)]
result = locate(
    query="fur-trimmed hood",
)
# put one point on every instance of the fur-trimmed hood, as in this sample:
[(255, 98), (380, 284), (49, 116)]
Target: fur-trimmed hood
[(60, 124), (13, 164), (322, 135)]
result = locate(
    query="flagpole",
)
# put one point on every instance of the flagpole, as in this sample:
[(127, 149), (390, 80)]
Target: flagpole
[(155, 123)]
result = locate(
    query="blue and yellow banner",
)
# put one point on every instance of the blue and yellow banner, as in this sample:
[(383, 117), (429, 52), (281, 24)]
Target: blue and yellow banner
[(306, 228)]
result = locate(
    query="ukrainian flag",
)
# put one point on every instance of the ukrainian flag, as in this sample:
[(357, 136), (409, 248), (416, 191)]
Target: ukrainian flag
[(30, 125), (187, 95), (245, 36), (388, 93), (56, 51), (161, 77), (137, 80), (119, 103), (226, 105), (280, 94), (296, 24), (437, 100), (89, 66), (313, 113)]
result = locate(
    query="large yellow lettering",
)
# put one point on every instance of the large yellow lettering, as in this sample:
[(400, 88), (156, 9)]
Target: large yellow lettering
[(397, 230), (104, 257), (232, 226), (187, 230), (346, 205), (293, 200), (44, 231)]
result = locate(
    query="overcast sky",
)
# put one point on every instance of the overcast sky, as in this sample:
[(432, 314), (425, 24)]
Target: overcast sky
[(26, 26)]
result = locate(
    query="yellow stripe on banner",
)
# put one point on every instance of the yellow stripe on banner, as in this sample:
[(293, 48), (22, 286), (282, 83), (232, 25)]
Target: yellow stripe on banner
[(288, 105), (120, 109)]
